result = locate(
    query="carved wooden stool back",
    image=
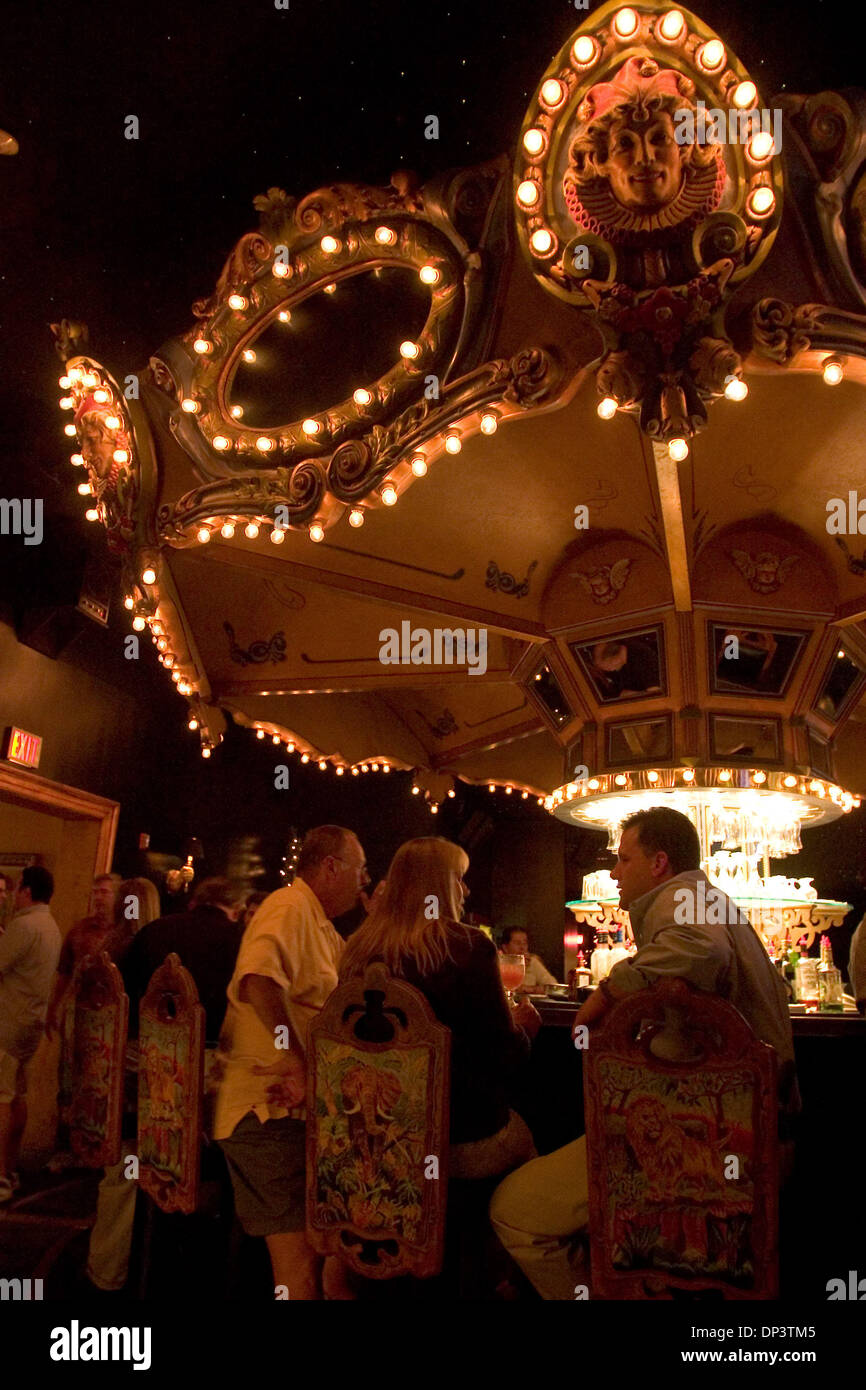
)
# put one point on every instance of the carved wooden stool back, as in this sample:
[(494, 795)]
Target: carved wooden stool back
[(377, 1128), (682, 1150), (95, 1053), (170, 1088)]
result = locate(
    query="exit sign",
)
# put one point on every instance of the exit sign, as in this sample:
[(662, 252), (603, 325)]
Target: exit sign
[(22, 748)]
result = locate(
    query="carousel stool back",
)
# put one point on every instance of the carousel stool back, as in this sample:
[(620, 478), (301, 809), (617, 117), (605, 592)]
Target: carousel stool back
[(377, 1128), (92, 1064), (682, 1150)]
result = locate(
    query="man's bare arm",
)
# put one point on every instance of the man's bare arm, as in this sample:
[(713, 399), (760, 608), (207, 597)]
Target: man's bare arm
[(266, 997)]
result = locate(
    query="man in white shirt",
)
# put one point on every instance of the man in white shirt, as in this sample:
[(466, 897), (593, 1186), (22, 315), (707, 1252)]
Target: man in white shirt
[(286, 969), (29, 952), (538, 979)]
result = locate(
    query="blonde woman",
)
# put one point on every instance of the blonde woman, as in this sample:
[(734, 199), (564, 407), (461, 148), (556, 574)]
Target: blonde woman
[(415, 928), (137, 906)]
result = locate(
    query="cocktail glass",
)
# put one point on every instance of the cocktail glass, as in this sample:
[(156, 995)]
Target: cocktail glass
[(512, 968)]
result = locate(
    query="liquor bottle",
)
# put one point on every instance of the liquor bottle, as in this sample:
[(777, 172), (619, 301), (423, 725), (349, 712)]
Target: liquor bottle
[(619, 950), (599, 961), (826, 953)]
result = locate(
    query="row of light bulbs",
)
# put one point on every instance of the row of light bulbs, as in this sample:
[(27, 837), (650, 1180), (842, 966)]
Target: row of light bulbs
[(805, 786), (340, 768), (78, 379)]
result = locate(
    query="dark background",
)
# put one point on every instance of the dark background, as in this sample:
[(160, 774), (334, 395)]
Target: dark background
[(232, 100)]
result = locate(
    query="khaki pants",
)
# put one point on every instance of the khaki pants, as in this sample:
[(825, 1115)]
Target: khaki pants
[(111, 1237), (540, 1213)]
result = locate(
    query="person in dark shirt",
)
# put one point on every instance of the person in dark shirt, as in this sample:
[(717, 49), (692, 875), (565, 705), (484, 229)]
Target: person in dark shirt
[(206, 938)]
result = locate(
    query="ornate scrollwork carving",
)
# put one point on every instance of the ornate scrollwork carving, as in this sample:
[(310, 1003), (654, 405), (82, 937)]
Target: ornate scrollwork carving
[(501, 582), (349, 468), (258, 652), (246, 260), (780, 331)]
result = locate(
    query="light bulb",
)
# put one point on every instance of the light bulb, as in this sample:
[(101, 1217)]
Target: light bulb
[(625, 23), (678, 450), (745, 95), (85, 490), (112, 422), (77, 460), (356, 517), (761, 147), (317, 532), (652, 777), (121, 456), (310, 426), (65, 382), (148, 575), (249, 354), (409, 350), (552, 92), (419, 465), (340, 771), (329, 245), (428, 275), (672, 25), (260, 733), (70, 431), (331, 289), (67, 402), (689, 774), (284, 316), (385, 236), (736, 389), (278, 535), (251, 530), (263, 444), (389, 494), (724, 777), (790, 781), (92, 514), (280, 269), (138, 623), (759, 777), (833, 371), (607, 408), (583, 50), (305, 757), (203, 535), (275, 738), (489, 422), (227, 530), (237, 301), (362, 396), (89, 380), (219, 441), (712, 55), (205, 752), (101, 396), (761, 201), (528, 193), (193, 725), (453, 442), (541, 241), (202, 346)]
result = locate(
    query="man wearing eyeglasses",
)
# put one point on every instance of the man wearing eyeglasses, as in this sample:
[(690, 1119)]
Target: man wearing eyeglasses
[(286, 969)]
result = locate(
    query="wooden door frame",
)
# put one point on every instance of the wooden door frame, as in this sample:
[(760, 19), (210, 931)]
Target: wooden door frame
[(55, 798)]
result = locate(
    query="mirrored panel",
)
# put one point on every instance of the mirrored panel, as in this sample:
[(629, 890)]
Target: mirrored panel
[(545, 687), (639, 741), (331, 344), (820, 760), (840, 685), (624, 667), (752, 661), (754, 740)]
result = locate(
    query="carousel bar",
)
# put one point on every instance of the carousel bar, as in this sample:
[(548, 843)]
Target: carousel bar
[(431, 826)]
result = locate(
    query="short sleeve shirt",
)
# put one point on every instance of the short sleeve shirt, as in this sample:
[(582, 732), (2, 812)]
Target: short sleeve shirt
[(291, 942), (29, 951)]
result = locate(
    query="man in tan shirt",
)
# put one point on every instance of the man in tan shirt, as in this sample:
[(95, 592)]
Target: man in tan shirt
[(286, 969)]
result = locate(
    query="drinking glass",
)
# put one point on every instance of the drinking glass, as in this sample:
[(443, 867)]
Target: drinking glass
[(512, 968)]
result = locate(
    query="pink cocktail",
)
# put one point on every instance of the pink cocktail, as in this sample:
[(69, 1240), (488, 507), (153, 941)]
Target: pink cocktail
[(512, 969)]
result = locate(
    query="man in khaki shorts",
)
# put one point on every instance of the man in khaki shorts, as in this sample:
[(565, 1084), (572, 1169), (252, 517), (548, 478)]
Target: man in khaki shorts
[(286, 969), (29, 952)]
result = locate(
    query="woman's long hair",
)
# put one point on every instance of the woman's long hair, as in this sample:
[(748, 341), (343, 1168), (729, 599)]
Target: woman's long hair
[(146, 907), (402, 925)]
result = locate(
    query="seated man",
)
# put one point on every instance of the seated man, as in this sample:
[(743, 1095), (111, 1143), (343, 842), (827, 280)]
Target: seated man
[(538, 979), (540, 1211)]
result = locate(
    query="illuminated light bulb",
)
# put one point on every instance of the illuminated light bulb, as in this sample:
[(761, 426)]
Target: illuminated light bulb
[(354, 772), (205, 752), (65, 382), (219, 441), (712, 55), (652, 777), (169, 662), (237, 412), (310, 426), (678, 450), (67, 402), (280, 269), (428, 275), (74, 374), (689, 774), (620, 779), (409, 350), (761, 201), (385, 236), (736, 389), (263, 444), (453, 442), (113, 421), (184, 687), (331, 289), (275, 738), (761, 147), (305, 757), (386, 767), (129, 602), (284, 316), (528, 193), (533, 141), (389, 494), (492, 787), (278, 536), (552, 92), (85, 490), (260, 733), (227, 530), (840, 654), (77, 460), (745, 95), (541, 241), (70, 430), (251, 530), (814, 786), (189, 405), (415, 791), (290, 747), (790, 781), (489, 422), (672, 25), (340, 771), (593, 785), (364, 767), (434, 809), (833, 371), (202, 346), (329, 245), (583, 52), (419, 465), (102, 397), (121, 456), (541, 801), (759, 777), (203, 535), (162, 645), (362, 396), (249, 354), (89, 379), (524, 795), (356, 517), (148, 575), (139, 624), (237, 301), (317, 532), (193, 725), (607, 408), (625, 23)]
